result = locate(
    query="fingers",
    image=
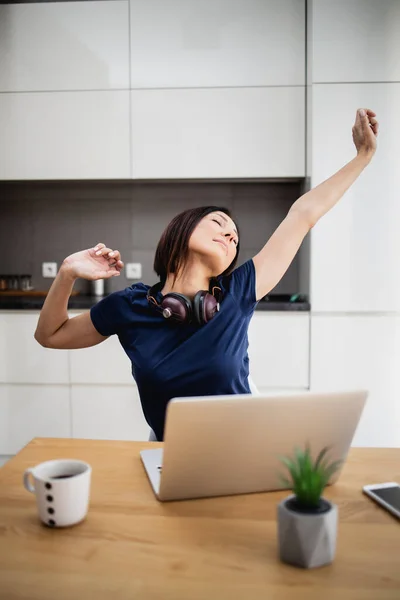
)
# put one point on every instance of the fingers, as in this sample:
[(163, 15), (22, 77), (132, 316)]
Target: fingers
[(367, 111), (109, 254), (113, 256), (117, 265), (115, 268), (103, 251), (368, 120), (374, 125), (362, 117)]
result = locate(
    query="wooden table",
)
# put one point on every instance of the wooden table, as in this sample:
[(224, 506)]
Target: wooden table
[(132, 546)]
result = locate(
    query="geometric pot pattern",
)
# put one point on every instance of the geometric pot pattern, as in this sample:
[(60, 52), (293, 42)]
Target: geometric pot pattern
[(307, 540)]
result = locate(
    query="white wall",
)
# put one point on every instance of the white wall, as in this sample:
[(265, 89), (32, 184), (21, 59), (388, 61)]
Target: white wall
[(355, 276)]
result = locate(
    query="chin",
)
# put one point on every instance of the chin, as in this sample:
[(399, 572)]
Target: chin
[(219, 262), (216, 260)]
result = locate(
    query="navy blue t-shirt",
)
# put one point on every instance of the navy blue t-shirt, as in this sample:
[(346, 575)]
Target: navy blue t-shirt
[(171, 359)]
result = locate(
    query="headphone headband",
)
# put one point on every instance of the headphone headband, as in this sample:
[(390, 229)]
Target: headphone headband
[(180, 308), (214, 290)]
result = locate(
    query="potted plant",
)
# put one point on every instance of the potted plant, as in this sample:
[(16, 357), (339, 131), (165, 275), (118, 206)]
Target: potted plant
[(307, 522)]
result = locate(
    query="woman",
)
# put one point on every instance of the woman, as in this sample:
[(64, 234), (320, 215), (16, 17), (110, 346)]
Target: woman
[(187, 335)]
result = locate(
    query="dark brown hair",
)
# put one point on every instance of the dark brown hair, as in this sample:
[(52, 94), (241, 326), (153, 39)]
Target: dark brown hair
[(173, 247)]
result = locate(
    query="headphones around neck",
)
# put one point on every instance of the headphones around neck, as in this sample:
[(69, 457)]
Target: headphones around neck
[(179, 307)]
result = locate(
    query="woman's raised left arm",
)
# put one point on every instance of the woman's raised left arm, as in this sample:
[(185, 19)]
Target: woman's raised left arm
[(272, 262)]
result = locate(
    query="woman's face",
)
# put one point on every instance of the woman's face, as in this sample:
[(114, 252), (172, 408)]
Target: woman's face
[(216, 238)]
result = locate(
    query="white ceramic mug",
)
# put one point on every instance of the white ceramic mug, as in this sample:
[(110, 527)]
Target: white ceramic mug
[(62, 490)]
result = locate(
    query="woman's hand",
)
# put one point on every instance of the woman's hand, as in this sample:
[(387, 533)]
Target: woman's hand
[(365, 130), (99, 262)]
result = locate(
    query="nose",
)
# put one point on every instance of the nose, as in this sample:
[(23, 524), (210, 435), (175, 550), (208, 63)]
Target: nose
[(230, 235)]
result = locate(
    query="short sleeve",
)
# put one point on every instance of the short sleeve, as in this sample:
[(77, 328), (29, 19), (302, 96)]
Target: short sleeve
[(109, 315), (241, 284)]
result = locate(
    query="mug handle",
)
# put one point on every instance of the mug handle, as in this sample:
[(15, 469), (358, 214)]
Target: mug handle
[(27, 483)]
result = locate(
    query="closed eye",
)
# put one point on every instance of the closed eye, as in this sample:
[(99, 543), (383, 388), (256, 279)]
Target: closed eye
[(220, 224)]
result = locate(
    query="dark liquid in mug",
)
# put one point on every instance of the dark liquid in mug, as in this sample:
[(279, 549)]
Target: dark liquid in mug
[(63, 476)]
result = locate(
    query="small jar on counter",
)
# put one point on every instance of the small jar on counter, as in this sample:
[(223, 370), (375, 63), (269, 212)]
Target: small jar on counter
[(25, 283), (99, 287), (13, 282)]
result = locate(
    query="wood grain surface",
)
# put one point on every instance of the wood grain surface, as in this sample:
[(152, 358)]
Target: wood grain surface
[(132, 546)]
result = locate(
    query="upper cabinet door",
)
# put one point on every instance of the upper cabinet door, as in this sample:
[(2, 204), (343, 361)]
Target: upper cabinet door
[(212, 133), (64, 46), (357, 40), (356, 245), (65, 135), (217, 43)]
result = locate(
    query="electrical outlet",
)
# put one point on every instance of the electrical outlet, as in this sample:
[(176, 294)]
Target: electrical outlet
[(133, 270), (49, 269)]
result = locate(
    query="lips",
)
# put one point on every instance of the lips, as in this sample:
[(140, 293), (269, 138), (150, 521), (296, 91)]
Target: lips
[(223, 244)]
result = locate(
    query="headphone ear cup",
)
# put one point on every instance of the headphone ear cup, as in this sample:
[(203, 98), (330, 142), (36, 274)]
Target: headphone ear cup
[(197, 307), (204, 307), (178, 306), (210, 307)]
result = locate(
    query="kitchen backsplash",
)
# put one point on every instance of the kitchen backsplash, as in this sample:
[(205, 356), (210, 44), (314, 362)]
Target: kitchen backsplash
[(47, 221)]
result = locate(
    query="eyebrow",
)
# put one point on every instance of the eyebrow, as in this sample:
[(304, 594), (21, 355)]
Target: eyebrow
[(226, 221)]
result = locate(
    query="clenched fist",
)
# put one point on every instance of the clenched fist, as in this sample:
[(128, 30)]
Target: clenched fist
[(365, 130)]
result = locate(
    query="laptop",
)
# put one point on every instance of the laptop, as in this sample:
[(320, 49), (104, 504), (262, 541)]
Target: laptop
[(226, 445)]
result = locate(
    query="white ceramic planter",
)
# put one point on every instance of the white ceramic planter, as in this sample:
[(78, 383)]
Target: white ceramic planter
[(307, 540)]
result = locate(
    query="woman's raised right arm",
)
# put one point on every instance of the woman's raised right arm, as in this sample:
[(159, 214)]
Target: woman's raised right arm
[(55, 329)]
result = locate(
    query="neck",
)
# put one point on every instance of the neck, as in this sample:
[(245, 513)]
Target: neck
[(193, 278)]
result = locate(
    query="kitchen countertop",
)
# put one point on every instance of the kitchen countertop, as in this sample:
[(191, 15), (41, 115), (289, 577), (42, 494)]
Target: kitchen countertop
[(86, 302)]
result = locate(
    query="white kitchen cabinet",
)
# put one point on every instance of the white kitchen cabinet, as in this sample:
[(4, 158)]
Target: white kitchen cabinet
[(356, 40), (212, 133), (356, 245), (64, 46), (29, 411), (97, 397), (105, 363), (361, 352), (64, 135), (217, 43), (279, 350), (108, 412), (22, 358)]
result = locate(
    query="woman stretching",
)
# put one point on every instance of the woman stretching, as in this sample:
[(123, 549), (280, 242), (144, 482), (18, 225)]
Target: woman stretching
[(187, 335)]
